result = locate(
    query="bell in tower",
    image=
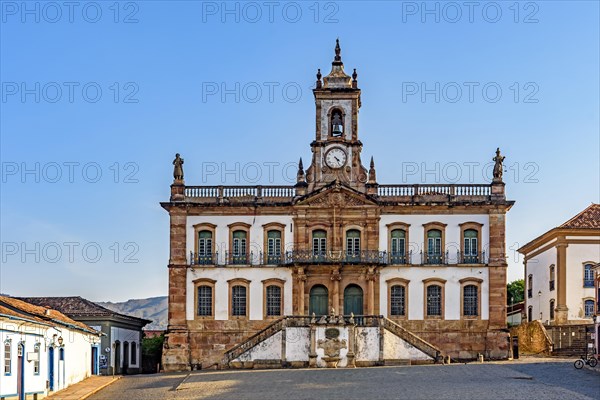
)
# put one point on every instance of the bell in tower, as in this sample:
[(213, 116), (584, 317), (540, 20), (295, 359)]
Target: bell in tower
[(337, 130)]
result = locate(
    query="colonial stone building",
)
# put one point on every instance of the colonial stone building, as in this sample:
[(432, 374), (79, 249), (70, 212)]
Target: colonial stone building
[(422, 266), (559, 277)]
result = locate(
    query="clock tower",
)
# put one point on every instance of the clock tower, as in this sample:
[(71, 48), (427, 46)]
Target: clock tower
[(336, 148)]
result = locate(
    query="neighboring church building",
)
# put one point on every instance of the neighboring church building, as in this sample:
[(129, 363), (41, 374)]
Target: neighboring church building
[(428, 258), (559, 277), (121, 342)]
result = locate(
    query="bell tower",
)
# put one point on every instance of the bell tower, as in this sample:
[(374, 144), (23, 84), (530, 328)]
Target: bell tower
[(336, 148)]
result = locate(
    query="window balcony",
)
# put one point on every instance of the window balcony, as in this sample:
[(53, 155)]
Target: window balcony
[(588, 283), (204, 259), (399, 258), (434, 259), (471, 258)]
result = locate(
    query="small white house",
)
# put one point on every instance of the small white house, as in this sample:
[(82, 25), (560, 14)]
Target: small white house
[(42, 350), (559, 264)]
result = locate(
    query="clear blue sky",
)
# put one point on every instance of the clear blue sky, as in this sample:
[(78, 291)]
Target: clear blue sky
[(167, 58)]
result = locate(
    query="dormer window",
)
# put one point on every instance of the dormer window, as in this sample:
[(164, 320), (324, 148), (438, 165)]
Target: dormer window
[(337, 126)]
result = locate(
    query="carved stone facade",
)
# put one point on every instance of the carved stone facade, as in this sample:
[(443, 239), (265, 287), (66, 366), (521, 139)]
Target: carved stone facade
[(431, 258)]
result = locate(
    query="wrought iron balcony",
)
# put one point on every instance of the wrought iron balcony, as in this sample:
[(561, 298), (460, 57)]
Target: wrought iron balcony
[(332, 256), (427, 258), (396, 258), (588, 283), (477, 258)]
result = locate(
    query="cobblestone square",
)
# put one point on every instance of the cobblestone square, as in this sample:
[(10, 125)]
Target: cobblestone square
[(547, 380)]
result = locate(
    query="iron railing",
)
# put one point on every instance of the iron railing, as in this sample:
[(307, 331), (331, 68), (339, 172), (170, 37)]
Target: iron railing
[(334, 257)]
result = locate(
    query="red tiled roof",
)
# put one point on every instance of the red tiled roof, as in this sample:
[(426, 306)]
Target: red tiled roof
[(76, 306), (587, 219), (18, 308)]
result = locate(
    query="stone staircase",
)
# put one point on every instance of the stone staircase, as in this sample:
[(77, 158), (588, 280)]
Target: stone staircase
[(306, 322), (412, 339), (569, 340)]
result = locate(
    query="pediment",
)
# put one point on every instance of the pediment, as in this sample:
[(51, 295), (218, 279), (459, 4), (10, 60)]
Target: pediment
[(336, 195)]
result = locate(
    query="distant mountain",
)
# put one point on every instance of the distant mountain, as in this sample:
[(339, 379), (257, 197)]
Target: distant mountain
[(154, 308)]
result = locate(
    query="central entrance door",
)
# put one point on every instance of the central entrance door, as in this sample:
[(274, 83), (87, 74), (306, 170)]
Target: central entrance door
[(353, 300), (319, 299)]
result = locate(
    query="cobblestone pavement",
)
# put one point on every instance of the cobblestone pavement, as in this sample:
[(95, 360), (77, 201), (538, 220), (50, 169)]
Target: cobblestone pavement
[(547, 380)]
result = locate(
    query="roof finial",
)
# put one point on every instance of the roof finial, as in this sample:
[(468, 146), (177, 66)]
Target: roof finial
[(338, 50), (354, 80), (300, 178), (319, 76), (372, 176)]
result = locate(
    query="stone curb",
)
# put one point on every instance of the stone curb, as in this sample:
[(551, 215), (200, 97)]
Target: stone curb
[(99, 388)]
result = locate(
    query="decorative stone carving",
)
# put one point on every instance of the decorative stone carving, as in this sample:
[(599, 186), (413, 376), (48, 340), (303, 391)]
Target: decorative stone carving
[(332, 346)]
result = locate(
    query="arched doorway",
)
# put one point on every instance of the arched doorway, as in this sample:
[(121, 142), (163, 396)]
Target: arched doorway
[(353, 300), (125, 357), (319, 300), (117, 358), (51, 368)]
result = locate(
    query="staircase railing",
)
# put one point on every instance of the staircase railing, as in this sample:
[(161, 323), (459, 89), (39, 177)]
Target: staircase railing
[(412, 339), (305, 321)]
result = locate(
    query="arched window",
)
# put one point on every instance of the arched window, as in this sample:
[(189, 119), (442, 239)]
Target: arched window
[(470, 246), (133, 353), (205, 301), (551, 309), (588, 307), (530, 286), (353, 245), (273, 247), (239, 254), (529, 314), (238, 301), (588, 276), (319, 238), (319, 300), (398, 300), (434, 300), (353, 300), (7, 357), (434, 246), (273, 300), (398, 246), (205, 241), (337, 123), (552, 274), (470, 301)]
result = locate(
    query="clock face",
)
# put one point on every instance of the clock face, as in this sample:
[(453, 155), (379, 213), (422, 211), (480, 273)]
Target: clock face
[(335, 158)]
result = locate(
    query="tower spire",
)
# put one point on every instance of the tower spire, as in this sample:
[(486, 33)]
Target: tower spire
[(337, 78)]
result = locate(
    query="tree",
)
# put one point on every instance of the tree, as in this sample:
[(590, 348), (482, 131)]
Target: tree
[(515, 291)]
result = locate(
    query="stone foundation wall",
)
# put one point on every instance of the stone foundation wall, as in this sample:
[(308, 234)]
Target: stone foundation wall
[(462, 340), (209, 340), (204, 345)]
